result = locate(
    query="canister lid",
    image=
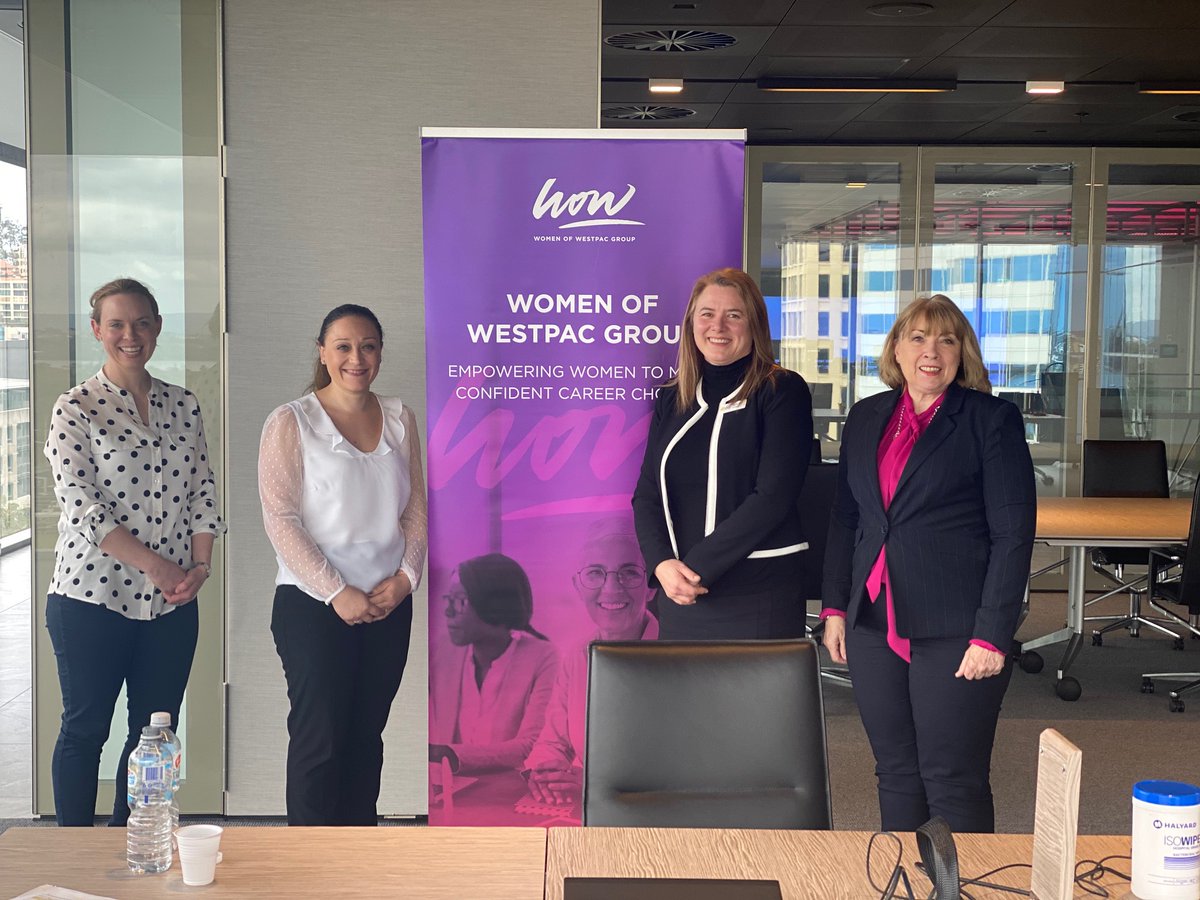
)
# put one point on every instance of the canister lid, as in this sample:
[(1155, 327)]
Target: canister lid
[(1167, 793)]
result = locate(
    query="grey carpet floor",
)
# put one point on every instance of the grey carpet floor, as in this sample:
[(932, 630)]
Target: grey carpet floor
[(1125, 736)]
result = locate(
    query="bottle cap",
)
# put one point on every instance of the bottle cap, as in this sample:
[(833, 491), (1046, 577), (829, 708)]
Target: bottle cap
[(161, 719), (1167, 793)]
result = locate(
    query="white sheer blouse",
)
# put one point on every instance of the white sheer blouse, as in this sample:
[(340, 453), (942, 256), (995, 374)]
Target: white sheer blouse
[(334, 514)]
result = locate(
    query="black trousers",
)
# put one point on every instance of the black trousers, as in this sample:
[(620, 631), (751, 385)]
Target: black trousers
[(931, 733), (769, 615), (341, 681), (98, 650)]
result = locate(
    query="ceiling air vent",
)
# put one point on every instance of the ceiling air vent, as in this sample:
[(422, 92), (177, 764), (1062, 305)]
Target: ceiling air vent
[(646, 112), (674, 40)]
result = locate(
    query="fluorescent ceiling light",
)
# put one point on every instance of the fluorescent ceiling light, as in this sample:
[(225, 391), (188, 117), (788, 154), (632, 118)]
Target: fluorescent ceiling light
[(1044, 87), (856, 184), (1168, 87), (787, 84), (666, 85)]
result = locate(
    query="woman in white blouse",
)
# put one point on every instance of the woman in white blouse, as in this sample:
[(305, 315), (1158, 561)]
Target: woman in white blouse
[(137, 521), (343, 497)]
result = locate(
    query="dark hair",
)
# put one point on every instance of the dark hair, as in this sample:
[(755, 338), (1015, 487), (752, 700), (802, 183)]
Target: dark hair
[(320, 374), (691, 362), (121, 286), (498, 590)]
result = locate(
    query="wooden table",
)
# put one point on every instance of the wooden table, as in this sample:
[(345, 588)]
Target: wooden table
[(434, 863), (825, 864), (1079, 523)]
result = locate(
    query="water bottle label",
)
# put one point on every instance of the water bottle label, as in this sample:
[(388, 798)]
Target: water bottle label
[(152, 773)]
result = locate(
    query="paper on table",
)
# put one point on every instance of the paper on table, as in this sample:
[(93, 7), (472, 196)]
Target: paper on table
[(54, 892)]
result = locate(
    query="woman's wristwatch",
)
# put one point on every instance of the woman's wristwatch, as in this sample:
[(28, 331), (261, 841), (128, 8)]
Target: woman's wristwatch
[(207, 567)]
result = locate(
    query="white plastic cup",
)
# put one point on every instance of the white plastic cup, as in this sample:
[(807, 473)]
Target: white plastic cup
[(1166, 841), (199, 849)]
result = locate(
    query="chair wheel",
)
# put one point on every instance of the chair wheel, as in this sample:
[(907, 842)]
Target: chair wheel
[(1031, 661), (1068, 689), (1097, 639), (1178, 644), (1147, 686), (1176, 705)]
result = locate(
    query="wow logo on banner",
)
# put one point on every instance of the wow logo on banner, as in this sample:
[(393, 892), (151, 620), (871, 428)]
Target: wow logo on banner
[(557, 271)]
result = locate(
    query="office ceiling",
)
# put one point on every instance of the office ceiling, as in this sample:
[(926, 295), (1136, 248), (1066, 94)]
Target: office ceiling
[(1100, 48)]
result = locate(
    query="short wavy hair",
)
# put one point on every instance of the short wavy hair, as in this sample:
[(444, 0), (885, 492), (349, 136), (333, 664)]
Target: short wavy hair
[(940, 314)]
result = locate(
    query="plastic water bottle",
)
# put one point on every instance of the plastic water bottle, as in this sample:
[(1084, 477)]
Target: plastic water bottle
[(172, 754), (148, 832)]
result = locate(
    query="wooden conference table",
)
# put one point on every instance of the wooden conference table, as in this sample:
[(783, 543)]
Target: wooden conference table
[(510, 863), (1080, 523)]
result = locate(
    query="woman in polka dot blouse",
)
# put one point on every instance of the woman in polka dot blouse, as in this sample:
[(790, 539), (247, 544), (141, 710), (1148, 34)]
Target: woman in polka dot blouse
[(138, 517)]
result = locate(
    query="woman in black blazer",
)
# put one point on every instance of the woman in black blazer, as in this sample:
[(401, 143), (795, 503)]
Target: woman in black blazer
[(926, 565), (715, 505)]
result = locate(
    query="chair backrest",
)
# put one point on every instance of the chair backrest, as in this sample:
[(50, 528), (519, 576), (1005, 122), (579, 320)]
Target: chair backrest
[(1054, 392), (816, 507), (706, 734), (822, 394), (1125, 469)]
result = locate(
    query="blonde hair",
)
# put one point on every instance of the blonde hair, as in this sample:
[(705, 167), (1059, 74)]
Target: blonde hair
[(940, 315), (762, 361)]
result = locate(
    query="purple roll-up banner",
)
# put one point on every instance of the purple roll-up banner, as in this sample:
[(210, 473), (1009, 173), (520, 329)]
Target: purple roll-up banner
[(558, 265)]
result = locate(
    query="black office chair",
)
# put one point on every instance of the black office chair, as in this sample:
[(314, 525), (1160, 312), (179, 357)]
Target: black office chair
[(816, 506), (705, 734), (1183, 588), (1124, 469)]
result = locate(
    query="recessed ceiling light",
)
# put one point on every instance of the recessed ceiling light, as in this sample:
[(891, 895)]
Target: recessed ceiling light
[(666, 85), (1168, 87), (900, 10), (788, 84), (1044, 87)]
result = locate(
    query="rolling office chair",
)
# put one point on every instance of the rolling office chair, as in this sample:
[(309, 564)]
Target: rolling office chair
[(705, 734), (1182, 590), (1124, 469), (816, 506)]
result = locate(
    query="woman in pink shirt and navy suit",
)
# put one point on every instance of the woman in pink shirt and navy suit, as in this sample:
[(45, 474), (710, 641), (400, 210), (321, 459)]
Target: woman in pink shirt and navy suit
[(926, 565)]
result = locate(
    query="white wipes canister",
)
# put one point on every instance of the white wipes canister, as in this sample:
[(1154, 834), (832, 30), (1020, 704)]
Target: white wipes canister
[(1166, 840)]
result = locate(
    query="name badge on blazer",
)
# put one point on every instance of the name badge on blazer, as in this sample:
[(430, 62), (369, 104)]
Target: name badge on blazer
[(733, 405)]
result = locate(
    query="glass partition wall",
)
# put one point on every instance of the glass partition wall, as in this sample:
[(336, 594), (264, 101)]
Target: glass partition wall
[(125, 180), (1090, 338)]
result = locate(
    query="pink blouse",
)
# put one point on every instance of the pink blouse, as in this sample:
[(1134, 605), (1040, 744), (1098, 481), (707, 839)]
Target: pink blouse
[(900, 435)]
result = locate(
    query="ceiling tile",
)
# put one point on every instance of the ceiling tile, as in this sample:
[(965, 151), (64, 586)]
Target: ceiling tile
[(839, 12), (741, 12), (1100, 13), (888, 41)]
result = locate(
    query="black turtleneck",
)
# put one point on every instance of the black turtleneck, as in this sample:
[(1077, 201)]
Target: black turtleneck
[(718, 382), (688, 477)]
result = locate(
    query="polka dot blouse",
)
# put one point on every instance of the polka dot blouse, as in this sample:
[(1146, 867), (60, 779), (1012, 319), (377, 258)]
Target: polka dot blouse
[(111, 469)]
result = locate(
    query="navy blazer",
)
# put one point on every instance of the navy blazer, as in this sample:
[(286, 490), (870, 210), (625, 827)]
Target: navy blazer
[(960, 528)]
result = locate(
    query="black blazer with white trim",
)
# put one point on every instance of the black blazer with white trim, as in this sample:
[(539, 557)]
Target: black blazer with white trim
[(960, 528), (762, 449)]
